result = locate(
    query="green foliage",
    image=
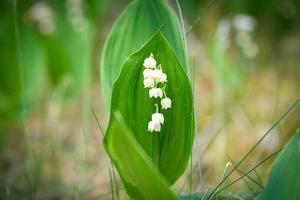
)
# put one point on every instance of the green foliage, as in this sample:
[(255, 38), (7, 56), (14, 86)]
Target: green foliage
[(141, 178), (22, 69), (132, 100), (69, 48), (284, 182), (33, 64), (131, 30)]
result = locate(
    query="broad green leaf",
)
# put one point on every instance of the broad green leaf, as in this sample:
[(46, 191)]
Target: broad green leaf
[(169, 149), (141, 178), (133, 28), (284, 181)]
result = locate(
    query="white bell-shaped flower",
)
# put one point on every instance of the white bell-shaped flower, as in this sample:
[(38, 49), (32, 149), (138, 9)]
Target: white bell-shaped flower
[(166, 103), (156, 75), (152, 126), (148, 73), (149, 83), (150, 62), (155, 92), (158, 118), (163, 77), (157, 127)]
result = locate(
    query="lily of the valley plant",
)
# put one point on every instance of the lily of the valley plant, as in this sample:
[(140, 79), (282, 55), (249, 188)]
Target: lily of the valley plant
[(155, 79)]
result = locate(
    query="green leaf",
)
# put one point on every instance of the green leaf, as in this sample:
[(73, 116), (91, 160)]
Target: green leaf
[(170, 149), (141, 178), (284, 182), (133, 28)]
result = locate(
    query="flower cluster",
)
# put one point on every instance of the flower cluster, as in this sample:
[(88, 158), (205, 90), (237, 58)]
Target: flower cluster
[(155, 79)]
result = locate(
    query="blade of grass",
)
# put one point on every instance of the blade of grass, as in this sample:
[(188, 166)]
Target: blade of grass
[(193, 86), (224, 172), (243, 173), (112, 175), (258, 177), (182, 26), (96, 118), (211, 141), (291, 108), (251, 170), (115, 183), (111, 181), (204, 12), (191, 177)]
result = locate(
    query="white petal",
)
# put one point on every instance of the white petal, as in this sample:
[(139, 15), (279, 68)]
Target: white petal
[(155, 92), (163, 77), (158, 118), (166, 103), (152, 92), (156, 75), (157, 127), (159, 92), (148, 83), (151, 126), (148, 73), (150, 62)]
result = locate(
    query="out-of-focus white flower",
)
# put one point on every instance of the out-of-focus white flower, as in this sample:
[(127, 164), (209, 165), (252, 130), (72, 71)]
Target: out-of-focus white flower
[(223, 34), (42, 14), (75, 15), (157, 118), (242, 38), (244, 22), (250, 49), (149, 83), (152, 126), (166, 103), (155, 92), (150, 62)]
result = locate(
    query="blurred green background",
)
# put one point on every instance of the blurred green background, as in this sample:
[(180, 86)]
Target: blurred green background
[(245, 63)]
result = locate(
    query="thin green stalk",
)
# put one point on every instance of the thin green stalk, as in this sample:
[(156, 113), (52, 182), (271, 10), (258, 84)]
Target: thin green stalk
[(204, 12), (243, 173), (224, 173), (182, 26), (111, 181), (191, 176), (98, 123), (206, 149), (116, 184), (258, 177), (112, 175), (251, 170), (291, 108)]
